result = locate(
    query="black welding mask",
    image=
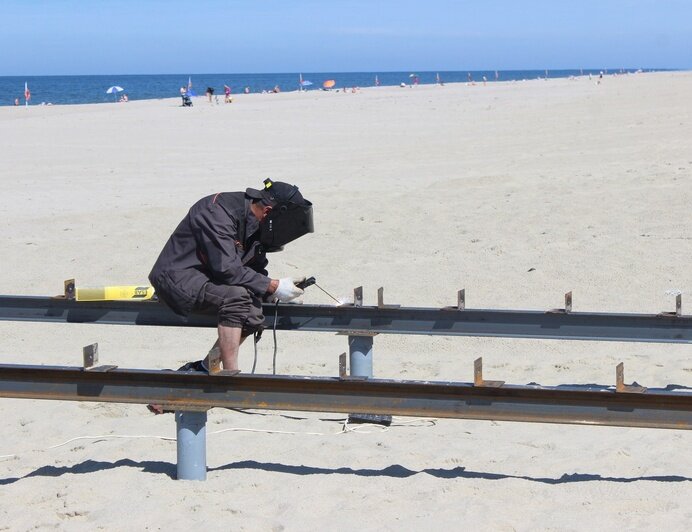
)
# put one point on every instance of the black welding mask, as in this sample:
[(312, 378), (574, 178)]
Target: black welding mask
[(290, 217)]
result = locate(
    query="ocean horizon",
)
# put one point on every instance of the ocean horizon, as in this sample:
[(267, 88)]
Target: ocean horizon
[(85, 89)]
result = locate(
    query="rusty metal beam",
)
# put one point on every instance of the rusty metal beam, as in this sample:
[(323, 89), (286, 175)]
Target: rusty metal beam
[(667, 409), (664, 327)]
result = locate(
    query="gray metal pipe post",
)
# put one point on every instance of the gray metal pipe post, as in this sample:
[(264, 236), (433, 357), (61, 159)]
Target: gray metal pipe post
[(191, 429), (360, 355)]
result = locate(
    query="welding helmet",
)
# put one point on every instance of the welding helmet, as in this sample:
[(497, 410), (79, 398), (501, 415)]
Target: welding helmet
[(290, 217)]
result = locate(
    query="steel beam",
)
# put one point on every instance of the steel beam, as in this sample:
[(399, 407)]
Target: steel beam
[(665, 327), (589, 405)]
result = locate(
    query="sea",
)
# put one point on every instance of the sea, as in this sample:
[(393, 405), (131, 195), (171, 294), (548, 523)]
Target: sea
[(66, 90)]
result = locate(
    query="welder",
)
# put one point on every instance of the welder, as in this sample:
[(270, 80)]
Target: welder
[(215, 261)]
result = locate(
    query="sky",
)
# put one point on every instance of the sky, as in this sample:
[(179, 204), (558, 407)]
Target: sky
[(61, 37)]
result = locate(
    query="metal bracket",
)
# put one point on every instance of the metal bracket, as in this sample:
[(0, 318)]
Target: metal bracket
[(225, 373), (90, 355), (461, 301), (678, 308), (380, 300), (343, 375), (214, 361), (69, 289), (358, 296), (568, 305), (215, 365), (620, 385), (478, 376)]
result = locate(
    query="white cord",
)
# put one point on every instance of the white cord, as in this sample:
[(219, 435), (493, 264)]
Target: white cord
[(345, 429)]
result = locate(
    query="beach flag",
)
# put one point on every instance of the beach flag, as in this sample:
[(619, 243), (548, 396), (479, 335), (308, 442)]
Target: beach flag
[(27, 93), (189, 87)]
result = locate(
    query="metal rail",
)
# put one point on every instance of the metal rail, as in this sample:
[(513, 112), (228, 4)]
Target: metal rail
[(590, 405), (665, 327)]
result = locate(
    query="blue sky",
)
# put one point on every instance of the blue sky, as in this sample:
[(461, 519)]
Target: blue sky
[(173, 36)]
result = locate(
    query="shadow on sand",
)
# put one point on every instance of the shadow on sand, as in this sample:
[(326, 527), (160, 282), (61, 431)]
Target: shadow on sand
[(393, 471)]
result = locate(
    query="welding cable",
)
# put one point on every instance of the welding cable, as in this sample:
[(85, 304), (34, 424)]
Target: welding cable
[(276, 318), (254, 361)]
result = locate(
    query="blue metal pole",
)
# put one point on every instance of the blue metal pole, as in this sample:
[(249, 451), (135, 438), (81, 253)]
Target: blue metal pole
[(191, 430), (360, 355)]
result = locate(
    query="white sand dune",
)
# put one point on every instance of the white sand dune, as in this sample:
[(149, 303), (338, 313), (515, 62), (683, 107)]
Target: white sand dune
[(518, 192)]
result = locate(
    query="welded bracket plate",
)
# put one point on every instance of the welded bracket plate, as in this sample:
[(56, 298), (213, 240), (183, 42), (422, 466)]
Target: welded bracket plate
[(568, 305), (620, 385), (90, 355), (478, 376), (380, 299)]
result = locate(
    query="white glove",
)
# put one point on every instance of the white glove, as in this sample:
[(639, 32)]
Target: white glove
[(287, 290)]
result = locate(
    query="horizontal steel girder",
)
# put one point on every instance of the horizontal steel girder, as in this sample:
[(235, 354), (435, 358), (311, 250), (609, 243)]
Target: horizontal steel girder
[(402, 320), (586, 405)]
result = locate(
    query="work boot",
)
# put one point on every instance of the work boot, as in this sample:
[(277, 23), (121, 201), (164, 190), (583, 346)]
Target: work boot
[(196, 366)]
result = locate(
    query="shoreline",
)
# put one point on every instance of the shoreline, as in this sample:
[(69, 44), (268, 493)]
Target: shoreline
[(349, 87)]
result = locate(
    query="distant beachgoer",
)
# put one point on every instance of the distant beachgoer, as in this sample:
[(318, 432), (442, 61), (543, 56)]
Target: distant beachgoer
[(247, 90), (276, 89), (183, 91), (485, 80), (497, 75), (210, 93), (227, 93), (469, 77), (16, 101)]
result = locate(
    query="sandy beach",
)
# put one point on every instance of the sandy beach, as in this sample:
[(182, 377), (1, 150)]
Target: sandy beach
[(517, 192)]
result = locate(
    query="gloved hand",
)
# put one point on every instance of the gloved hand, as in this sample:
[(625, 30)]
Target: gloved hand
[(287, 290)]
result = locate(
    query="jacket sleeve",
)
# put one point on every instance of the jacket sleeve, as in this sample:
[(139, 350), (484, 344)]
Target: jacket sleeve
[(216, 234)]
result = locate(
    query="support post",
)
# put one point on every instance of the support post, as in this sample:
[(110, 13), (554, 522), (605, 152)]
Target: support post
[(360, 355), (360, 361), (191, 430)]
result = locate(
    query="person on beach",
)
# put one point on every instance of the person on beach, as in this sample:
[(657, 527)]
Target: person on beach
[(210, 93), (227, 94), (215, 260)]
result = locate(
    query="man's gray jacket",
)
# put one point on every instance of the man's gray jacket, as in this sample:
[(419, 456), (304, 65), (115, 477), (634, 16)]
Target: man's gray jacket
[(217, 241)]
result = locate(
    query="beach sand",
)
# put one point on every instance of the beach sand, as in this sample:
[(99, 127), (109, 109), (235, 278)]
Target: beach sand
[(518, 192)]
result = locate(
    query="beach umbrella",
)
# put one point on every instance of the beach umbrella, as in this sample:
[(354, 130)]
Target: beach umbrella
[(306, 83), (329, 84), (114, 90)]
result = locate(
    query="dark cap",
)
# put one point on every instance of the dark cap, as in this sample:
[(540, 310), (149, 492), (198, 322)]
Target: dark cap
[(277, 192)]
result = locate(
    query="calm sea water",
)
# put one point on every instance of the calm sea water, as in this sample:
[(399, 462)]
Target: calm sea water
[(92, 89)]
